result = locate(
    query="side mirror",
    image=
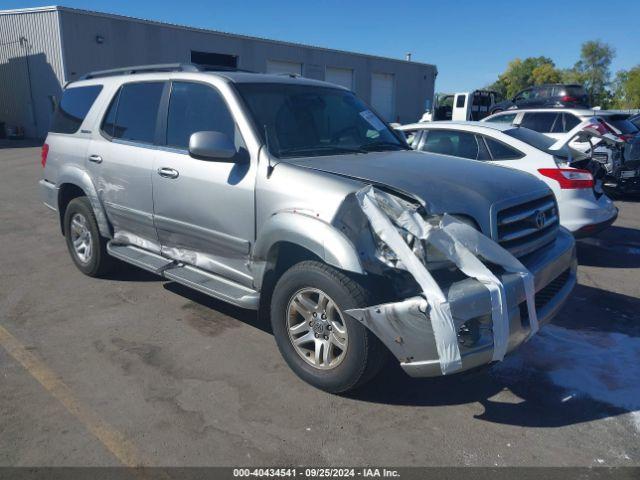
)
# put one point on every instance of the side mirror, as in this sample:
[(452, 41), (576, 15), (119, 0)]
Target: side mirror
[(210, 145)]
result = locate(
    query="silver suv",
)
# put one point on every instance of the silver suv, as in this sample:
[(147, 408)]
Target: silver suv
[(292, 197)]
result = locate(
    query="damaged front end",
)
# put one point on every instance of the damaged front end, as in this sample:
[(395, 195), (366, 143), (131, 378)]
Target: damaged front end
[(472, 301), (614, 159)]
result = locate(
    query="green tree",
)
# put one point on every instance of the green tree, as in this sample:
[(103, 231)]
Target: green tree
[(593, 70), (626, 91), (520, 75), (545, 73), (571, 75)]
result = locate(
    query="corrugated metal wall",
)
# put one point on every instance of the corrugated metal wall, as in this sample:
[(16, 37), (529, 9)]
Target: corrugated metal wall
[(61, 44), (125, 41), (31, 67)]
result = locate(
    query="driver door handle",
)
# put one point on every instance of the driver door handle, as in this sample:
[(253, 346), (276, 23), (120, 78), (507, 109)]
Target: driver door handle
[(95, 158), (167, 172)]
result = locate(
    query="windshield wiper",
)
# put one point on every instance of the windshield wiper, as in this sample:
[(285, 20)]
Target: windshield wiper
[(321, 149), (382, 146)]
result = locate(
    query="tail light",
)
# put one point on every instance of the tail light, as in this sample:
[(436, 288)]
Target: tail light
[(43, 154), (568, 99), (569, 178)]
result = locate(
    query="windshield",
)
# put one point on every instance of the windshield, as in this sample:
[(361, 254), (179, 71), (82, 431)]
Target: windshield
[(302, 120), (542, 142)]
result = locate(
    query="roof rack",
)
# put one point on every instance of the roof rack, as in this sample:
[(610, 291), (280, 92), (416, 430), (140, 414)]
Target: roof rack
[(162, 67)]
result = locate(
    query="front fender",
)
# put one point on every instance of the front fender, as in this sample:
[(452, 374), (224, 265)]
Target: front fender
[(74, 175), (312, 233)]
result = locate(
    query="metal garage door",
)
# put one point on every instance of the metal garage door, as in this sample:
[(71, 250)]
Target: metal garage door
[(383, 95), (340, 76), (277, 66)]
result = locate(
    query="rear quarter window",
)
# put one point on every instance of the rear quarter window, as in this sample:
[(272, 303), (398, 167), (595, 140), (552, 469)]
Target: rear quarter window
[(500, 151), (73, 108), (570, 121)]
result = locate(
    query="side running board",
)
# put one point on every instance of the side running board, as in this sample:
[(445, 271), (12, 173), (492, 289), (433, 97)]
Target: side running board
[(139, 257), (205, 282), (213, 285)]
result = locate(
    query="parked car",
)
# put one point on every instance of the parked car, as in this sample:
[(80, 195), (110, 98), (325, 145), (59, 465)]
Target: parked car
[(544, 96), (583, 208), (461, 106), (621, 162), (635, 119), (249, 187)]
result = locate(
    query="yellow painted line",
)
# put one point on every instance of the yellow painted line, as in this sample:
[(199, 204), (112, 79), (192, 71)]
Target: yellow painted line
[(113, 440)]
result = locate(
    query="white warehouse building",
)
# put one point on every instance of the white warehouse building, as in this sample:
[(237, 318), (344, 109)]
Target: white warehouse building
[(43, 48)]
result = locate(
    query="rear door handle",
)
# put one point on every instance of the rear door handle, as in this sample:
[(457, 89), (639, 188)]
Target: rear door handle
[(95, 158), (167, 172)]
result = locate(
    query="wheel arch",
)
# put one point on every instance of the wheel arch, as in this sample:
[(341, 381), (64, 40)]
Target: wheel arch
[(292, 231), (74, 182)]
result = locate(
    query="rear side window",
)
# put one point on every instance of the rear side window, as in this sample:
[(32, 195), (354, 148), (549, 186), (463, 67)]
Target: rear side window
[(500, 151), (574, 91), (450, 142), (195, 107), (460, 101), (540, 121), (73, 108), (133, 112)]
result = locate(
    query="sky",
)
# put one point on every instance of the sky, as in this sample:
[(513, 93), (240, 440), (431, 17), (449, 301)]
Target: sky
[(470, 42)]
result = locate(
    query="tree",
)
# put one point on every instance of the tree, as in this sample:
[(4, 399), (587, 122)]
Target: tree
[(521, 74), (626, 89), (593, 69), (545, 73)]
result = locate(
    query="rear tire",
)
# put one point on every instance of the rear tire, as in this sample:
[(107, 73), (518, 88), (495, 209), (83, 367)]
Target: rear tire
[(87, 248), (308, 300)]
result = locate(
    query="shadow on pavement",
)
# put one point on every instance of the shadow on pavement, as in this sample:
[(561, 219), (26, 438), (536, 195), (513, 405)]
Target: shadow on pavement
[(25, 143), (248, 317), (616, 247), (124, 272)]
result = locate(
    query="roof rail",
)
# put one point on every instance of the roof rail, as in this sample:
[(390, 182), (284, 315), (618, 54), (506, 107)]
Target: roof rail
[(162, 67)]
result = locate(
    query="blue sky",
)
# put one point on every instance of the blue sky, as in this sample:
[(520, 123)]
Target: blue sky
[(470, 42)]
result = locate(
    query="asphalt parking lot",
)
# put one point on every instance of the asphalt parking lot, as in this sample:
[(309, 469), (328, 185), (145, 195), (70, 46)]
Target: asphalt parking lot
[(134, 369)]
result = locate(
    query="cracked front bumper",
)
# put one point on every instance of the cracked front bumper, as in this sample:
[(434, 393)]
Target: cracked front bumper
[(411, 338)]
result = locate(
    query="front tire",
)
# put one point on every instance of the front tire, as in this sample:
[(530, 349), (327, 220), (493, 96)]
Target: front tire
[(87, 248), (323, 345)]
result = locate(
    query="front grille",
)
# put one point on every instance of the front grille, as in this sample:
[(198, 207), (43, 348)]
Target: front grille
[(545, 295), (523, 228)]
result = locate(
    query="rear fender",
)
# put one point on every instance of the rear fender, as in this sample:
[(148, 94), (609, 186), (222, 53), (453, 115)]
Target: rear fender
[(72, 174)]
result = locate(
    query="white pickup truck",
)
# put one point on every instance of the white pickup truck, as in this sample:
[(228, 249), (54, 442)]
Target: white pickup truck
[(461, 106)]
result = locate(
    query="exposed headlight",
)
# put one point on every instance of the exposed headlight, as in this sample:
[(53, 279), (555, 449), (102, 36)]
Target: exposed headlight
[(402, 214)]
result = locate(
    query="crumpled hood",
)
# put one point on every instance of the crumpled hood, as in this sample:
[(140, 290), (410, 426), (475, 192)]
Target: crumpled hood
[(446, 184)]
